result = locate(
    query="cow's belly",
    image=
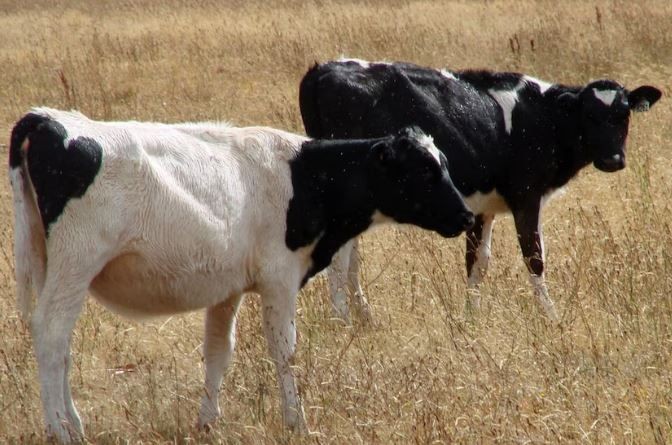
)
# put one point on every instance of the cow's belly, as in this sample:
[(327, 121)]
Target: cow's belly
[(493, 203), (489, 203), (135, 287)]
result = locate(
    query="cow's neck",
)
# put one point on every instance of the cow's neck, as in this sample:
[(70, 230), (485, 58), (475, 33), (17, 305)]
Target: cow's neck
[(558, 133), (332, 200), (574, 155)]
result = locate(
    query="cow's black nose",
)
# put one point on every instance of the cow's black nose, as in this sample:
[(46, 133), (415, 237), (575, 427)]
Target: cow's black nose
[(467, 219), (611, 163)]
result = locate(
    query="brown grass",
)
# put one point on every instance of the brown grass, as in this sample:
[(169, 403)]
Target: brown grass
[(421, 374)]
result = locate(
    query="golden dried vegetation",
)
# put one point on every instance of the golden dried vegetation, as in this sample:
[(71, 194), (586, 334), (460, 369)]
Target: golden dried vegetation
[(421, 373)]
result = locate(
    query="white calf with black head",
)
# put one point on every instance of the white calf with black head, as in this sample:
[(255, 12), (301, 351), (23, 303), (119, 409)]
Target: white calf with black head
[(155, 219)]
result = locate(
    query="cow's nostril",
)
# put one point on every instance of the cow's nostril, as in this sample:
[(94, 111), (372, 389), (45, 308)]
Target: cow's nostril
[(467, 220)]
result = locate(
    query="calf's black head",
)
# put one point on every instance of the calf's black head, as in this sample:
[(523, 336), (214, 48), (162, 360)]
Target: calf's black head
[(603, 108), (412, 184)]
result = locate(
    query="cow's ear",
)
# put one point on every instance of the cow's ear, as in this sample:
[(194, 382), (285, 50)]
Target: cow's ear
[(643, 98), (568, 100)]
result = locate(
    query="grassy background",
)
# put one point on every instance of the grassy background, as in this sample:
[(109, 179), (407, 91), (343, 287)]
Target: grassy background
[(420, 374)]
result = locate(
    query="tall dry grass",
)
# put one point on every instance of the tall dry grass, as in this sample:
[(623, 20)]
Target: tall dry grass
[(421, 374)]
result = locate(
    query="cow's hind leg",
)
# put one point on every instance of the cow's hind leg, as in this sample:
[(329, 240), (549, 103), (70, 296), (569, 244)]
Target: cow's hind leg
[(479, 239), (74, 259), (58, 307), (72, 415), (220, 339)]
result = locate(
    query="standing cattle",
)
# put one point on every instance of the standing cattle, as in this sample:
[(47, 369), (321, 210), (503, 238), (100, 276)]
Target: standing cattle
[(157, 219), (511, 141)]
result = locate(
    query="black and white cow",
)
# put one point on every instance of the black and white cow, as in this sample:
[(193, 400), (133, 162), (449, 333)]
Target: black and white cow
[(156, 219), (511, 140)]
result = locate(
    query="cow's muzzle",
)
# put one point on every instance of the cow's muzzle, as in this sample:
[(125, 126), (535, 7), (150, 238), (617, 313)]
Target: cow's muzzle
[(457, 224), (611, 164), (467, 219)]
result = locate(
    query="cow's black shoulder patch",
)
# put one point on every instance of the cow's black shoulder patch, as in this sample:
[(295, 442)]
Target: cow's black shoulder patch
[(331, 203), (60, 173), (305, 212)]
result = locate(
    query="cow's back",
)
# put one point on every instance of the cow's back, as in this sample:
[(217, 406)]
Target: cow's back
[(352, 99), (173, 208), (209, 175)]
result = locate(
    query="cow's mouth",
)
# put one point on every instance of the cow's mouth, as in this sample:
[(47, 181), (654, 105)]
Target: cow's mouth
[(456, 226)]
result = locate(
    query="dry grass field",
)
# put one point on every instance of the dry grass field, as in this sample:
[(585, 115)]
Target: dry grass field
[(421, 373)]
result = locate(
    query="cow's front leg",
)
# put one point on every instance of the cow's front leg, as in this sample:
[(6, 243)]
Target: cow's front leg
[(344, 280), (279, 306), (528, 226), (338, 278), (479, 240), (359, 299), (218, 345)]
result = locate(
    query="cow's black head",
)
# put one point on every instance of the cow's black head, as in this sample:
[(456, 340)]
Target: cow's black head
[(604, 108), (412, 185)]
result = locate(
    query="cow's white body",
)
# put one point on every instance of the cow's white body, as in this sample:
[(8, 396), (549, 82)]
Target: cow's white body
[(156, 219), (179, 217), (213, 182)]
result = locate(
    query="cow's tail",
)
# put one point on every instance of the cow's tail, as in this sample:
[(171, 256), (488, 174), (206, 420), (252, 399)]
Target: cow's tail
[(308, 93), (29, 236)]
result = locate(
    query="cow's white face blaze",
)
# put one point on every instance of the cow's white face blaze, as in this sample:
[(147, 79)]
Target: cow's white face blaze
[(427, 142), (606, 96)]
